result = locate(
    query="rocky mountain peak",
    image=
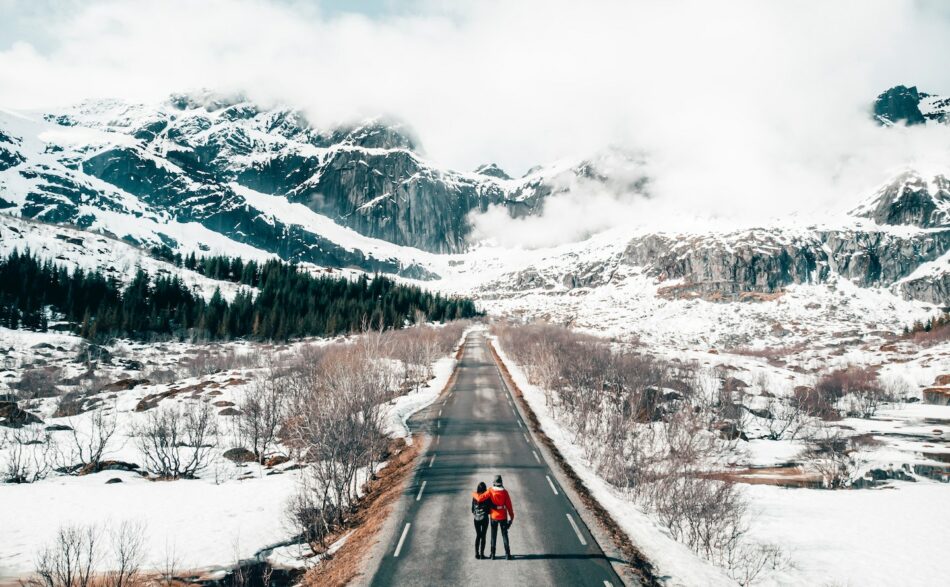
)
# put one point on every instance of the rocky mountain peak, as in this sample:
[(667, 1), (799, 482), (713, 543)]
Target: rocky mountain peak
[(910, 106), (899, 104), (492, 170), (377, 134), (910, 199)]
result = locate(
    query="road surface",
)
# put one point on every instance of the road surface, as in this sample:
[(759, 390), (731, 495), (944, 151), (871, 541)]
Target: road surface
[(477, 433)]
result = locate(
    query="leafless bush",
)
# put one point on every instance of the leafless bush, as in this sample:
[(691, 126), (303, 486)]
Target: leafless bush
[(897, 389), (39, 382), (706, 515), (747, 562), (162, 375), (262, 412), (177, 442), (647, 426), (69, 561), (830, 457), (312, 512), (29, 457), (856, 387), (89, 439), (128, 553), (214, 359)]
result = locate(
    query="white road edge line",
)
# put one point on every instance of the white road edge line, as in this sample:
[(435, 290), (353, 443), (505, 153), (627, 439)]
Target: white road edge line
[(536, 457), (432, 460), (551, 483), (608, 584), (418, 497), (576, 529), (519, 424), (526, 438), (403, 539), (438, 438)]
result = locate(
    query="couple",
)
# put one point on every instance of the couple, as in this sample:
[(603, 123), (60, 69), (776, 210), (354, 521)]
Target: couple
[(494, 503)]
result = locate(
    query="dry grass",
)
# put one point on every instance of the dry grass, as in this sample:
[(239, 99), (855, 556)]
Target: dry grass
[(638, 563), (777, 476)]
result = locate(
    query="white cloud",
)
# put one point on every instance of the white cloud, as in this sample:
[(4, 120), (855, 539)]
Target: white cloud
[(747, 108)]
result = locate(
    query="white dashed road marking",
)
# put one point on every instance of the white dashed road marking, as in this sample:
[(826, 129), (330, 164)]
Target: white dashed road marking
[(432, 460), (551, 483), (536, 457), (403, 539), (418, 497), (576, 529)]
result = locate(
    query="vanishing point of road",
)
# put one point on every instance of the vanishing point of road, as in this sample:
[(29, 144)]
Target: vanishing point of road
[(477, 433)]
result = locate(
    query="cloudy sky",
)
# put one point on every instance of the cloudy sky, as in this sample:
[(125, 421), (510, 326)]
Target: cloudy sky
[(745, 107)]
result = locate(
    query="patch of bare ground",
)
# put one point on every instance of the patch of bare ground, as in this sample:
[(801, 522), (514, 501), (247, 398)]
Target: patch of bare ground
[(380, 494), (638, 564), (152, 400), (784, 476)]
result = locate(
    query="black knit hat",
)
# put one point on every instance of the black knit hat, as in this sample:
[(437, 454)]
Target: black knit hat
[(498, 482)]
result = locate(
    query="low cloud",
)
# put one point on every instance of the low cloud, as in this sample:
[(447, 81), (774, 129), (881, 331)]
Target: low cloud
[(748, 109)]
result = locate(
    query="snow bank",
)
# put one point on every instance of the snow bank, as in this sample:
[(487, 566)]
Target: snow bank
[(200, 523), (890, 536)]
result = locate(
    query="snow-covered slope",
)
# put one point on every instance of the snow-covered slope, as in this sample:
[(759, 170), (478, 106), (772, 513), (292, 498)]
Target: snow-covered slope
[(79, 249)]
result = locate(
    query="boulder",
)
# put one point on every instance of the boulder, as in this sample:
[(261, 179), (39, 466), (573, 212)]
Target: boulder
[(239, 455), (12, 416)]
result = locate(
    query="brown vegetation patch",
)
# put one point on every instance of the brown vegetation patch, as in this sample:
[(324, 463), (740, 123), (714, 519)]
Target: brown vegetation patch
[(363, 526), (152, 400), (783, 476), (638, 563), (123, 385)]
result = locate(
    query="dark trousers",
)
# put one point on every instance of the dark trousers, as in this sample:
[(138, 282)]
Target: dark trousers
[(481, 529), (504, 535)]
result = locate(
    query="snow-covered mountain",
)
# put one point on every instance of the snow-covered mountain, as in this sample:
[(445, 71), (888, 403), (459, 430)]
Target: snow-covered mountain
[(203, 168), (202, 173), (901, 104)]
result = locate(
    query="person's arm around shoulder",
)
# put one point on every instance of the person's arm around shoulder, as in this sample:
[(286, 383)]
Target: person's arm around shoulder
[(481, 497)]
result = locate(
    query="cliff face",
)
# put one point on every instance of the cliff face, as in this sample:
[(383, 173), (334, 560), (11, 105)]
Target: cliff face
[(766, 261), (183, 158)]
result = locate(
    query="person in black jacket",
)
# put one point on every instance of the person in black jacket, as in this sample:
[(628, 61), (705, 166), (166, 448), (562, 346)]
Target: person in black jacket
[(481, 505)]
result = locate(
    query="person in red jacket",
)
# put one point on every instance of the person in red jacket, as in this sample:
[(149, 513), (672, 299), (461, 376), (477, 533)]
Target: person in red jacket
[(502, 514)]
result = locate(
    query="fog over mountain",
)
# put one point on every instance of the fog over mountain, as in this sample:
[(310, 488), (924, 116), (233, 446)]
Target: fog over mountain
[(743, 111)]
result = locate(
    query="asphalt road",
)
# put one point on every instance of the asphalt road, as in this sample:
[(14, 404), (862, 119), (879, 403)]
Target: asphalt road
[(477, 433)]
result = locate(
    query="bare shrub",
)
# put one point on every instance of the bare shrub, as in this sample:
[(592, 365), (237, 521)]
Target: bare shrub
[(211, 359), (830, 457), (177, 441), (815, 403), (89, 440), (748, 561), (646, 425), (39, 382), (897, 389), (856, 387), (128, 553), (30, 456), (68, 561), (262, 412)]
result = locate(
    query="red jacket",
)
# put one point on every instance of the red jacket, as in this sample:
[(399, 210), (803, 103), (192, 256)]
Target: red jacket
[(501, 503)]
